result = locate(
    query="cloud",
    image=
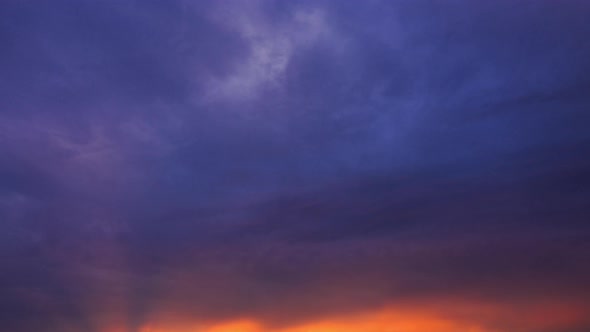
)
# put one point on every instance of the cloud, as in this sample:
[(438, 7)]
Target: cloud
[(282, 166), (271, 45)]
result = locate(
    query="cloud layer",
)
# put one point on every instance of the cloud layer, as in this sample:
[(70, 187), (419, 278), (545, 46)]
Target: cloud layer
[(294, 166)]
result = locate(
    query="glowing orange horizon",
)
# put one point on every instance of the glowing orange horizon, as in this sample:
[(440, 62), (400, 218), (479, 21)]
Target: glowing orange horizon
[(395, 319)]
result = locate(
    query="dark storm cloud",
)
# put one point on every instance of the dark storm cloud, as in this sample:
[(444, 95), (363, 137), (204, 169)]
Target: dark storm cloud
[(289, 160)]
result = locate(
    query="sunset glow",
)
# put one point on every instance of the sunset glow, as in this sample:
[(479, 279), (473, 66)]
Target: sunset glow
[(294, 166), (458, 317)]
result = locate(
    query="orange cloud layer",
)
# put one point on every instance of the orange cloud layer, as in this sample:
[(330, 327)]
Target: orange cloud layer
[(452, 318), (382, 321)]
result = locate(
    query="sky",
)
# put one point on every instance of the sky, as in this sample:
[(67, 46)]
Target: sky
[(294, 166)]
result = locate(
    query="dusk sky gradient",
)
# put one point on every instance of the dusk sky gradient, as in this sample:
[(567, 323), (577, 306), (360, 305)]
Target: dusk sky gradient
[(294, 166)]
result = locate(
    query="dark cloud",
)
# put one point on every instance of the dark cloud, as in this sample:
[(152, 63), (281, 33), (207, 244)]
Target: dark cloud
[(287, 162)]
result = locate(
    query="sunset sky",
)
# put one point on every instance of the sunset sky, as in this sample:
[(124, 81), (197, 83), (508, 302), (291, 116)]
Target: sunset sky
[(294, 166)]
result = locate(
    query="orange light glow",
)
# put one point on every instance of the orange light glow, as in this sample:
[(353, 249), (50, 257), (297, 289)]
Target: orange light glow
[(464, 317), (239, 325), (388, 320)]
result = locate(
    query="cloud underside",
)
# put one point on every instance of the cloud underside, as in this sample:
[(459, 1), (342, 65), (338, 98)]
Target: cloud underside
[(311, 166)]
